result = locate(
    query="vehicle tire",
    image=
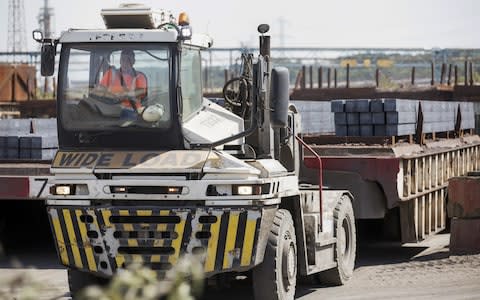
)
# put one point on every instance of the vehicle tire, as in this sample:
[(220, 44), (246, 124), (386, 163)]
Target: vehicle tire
[(78, 280), (275, 278), (3, 235), (345, 247)]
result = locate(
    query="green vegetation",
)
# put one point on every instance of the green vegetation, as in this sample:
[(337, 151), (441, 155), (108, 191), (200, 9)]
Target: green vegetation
[(183, 282)]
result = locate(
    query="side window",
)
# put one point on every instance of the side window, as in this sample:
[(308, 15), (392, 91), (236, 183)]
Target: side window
[(191, 80), (76, 84)]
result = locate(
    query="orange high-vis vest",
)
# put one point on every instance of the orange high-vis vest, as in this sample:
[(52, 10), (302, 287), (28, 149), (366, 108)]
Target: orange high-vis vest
[(116, 82)]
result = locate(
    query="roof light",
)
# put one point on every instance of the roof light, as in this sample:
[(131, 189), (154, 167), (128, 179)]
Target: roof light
[(183, 19)]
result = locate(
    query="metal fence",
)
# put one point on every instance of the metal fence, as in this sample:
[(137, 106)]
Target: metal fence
[(334, 67)]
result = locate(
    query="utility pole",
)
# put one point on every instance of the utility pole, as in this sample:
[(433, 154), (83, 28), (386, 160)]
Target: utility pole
[(45, 20)]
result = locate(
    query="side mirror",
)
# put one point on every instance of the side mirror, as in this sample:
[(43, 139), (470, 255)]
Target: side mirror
[(279, 97), (47, 67), (48, 52)]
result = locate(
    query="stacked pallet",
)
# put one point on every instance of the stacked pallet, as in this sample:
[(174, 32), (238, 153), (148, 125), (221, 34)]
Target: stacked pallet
[(316, 117), (397, 117), (28, 139)]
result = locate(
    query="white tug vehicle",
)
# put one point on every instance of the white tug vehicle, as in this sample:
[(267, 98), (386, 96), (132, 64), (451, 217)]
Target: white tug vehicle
[(175, 173)]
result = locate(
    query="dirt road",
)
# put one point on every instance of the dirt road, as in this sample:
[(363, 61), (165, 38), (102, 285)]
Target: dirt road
[(383, 271)]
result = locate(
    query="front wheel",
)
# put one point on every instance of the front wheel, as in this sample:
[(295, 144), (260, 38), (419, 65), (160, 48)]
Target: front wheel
[(275, 278), (345, 248)]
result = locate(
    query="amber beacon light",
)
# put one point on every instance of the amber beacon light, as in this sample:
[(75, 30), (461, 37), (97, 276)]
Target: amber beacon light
[(183, 19)]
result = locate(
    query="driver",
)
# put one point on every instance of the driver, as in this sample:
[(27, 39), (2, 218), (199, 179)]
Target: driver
[(127, 83)]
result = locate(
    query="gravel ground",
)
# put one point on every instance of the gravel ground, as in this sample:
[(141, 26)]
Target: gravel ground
[(383, 271)]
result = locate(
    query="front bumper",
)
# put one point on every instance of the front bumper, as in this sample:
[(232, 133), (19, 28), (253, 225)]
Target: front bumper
[(105, 238)]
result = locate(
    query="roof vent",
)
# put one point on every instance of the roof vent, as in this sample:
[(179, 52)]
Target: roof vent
[(133, 15)]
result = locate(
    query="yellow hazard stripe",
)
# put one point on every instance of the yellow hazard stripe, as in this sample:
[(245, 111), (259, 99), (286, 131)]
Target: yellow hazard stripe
[(73, 240), (62, 250), (143, 213), (120, 260), (159, 242), (230, 242), (86, 243), (212, 245), (176, 243), (106, 214), (248, 242)]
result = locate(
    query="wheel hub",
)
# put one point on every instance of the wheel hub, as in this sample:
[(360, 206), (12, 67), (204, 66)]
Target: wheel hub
[(289, 265)]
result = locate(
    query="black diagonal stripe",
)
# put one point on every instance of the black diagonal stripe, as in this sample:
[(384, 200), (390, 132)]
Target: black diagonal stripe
[(100, 221), (79, 238), (66, 238), (222, 239), (255, 244), (242, 222), (187, 234)]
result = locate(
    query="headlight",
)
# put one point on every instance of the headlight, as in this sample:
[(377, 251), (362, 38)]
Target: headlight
[(62, 189), (247, 190), (243, 190), (238, 189), (69, 189)]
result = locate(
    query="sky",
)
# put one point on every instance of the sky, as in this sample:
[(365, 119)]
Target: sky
[(313, 23)]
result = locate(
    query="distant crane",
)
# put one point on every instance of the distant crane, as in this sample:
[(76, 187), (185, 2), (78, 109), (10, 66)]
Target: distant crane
[(16, 27)]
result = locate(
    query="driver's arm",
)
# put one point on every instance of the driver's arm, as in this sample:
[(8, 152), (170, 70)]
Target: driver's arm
[(141, 87)]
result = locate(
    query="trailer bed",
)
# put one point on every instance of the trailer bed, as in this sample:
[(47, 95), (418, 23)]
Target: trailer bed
[(412, 177), (20, 180)]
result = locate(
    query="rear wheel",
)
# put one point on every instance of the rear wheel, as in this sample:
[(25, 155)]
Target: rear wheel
[(275, 278), (78, 280), (345, 248)]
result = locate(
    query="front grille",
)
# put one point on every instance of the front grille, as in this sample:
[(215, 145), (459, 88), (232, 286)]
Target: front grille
[(106, 238)]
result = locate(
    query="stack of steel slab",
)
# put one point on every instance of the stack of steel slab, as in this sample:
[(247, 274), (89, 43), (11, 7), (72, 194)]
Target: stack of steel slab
[(376, 117), (28, 139), (401, 116), (316, 116), (438, 116), (467, 110), (10, 132), (396, 117), (46, 129)]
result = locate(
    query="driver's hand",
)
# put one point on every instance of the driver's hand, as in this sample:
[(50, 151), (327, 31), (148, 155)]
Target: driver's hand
[(130, 94)]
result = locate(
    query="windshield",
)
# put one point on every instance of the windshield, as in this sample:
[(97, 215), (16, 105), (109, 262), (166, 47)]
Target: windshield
[(113, 86)]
